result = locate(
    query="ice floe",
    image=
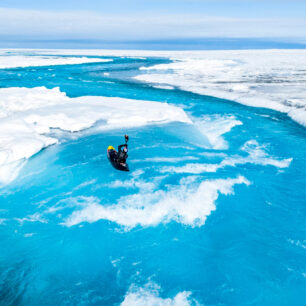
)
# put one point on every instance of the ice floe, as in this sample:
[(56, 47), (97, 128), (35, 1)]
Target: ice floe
[(28, 115), (20, 61)]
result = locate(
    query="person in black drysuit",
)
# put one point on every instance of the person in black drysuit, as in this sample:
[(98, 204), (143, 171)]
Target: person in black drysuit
[(122, 151)]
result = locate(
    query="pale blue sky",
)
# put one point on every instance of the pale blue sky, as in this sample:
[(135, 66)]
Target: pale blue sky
[(156, 19), (229, 8)]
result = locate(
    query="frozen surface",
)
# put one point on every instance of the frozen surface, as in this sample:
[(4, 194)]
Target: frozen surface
[(18, 61), (274, 79), (27, 116)]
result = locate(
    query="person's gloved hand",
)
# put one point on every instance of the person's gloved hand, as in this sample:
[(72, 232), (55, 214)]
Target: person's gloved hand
[(126, 138)]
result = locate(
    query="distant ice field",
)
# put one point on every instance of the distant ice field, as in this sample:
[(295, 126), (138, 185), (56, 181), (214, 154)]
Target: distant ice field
[(273, 79), (213, 209), (11, 60)]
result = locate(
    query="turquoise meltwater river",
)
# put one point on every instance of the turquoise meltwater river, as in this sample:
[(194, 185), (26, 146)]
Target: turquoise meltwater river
[(210, 213)]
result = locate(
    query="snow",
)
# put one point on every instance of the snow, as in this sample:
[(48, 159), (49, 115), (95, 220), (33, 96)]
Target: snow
[(18, 61), (28, 115), (272, 79)]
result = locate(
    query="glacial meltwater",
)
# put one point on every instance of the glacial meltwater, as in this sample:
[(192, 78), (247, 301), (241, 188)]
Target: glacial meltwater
[(212, 212)]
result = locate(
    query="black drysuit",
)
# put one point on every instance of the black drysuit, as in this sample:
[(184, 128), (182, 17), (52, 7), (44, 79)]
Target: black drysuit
[(122, 156)]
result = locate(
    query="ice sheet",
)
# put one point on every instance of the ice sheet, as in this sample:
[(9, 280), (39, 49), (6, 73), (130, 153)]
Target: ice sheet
[(17, 61), (27, 116), (274, 79)]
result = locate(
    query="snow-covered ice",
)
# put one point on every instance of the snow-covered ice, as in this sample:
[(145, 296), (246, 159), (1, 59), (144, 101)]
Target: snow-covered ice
[(27, 116), (21, 61), (274, 79)]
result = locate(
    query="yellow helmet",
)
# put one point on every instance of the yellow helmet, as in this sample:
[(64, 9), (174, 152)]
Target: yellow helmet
[(110, 148)]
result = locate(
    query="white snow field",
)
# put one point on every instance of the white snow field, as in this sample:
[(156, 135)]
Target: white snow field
[(21, 61), (274, 79)]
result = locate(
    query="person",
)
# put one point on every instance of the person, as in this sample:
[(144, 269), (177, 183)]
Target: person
[(122, 151)]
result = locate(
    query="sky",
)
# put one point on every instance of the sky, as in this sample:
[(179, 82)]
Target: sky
[(131, 20)]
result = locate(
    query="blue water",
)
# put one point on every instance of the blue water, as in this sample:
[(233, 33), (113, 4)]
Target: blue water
[(249, 251), (199, 43)]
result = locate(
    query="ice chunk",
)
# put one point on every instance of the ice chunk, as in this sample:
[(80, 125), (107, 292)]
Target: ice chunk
[(18, 61), (27, 115)]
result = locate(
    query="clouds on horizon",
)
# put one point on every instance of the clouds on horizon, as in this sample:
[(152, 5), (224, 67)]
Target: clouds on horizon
[(36, 24)]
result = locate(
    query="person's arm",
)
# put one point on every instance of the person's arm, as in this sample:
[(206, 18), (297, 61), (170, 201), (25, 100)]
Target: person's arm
[(123, 145)]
